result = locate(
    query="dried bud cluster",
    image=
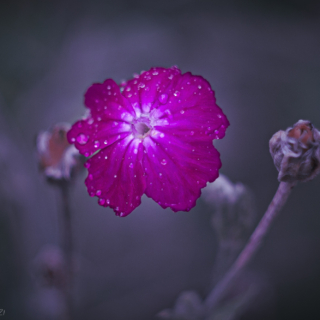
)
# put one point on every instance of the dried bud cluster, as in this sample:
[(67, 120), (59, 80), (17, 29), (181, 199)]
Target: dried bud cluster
[(57, 158), (296, 152)]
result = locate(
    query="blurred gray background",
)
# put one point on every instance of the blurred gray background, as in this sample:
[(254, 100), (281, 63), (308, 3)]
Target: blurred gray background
[(262, 58)]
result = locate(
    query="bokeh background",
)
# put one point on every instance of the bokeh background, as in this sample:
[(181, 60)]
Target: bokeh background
[(263, 60)]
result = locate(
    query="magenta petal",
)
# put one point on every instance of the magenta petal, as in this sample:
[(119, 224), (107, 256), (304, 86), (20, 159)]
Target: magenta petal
[(146, 91), (191, 111), (116, 176), (89, 136), (106, 102), (176, 171)]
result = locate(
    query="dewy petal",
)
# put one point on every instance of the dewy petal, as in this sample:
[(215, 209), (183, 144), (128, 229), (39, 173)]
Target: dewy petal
[(147, 90), (105, 101), (109, 119), (176, 171), (191, 111), (116, 176), (89, 136)]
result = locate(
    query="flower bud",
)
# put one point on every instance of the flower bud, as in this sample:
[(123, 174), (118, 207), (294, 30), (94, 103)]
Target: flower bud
[(57, 158), (296, 152)]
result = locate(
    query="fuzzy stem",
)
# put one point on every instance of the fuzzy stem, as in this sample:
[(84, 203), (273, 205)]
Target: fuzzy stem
[(67, 245), (278, 201)]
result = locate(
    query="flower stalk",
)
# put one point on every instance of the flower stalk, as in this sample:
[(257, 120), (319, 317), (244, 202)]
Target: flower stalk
[(67, 245), (278, 201)]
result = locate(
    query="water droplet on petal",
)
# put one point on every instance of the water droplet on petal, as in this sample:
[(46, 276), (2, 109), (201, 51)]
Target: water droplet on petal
[(90, 176), (163, 98), (216, 131), (87, 165), (161, 135), (115, 175), (96, 144), (82, 139), (141, 85), (182, 111), (199, 87), (105, 141), (107, 201), (131, 165), (106, 157), (135, 151), (163, 162), (98, 193), (160, 174), (101, 202), (177, 94), (122, 214), (86, 154)]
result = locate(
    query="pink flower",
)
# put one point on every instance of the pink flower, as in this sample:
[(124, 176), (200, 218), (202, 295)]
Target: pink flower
[(153, 135)]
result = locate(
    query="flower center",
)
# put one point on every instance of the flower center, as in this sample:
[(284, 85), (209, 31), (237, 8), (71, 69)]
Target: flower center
[(141, 127)]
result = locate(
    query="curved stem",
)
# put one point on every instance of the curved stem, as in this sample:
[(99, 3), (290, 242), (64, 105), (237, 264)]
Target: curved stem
[(278, 201)]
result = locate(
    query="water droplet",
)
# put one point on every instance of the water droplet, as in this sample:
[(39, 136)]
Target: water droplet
[(155, 73), (115, 175), (131, 165), (108, 87), (73, 139), (122, 214), (168, 112), (170, 77), (87, 165), (99, 119), (177, 94), (164, 162), (161, 135), (98, 193), (105, 141), (106, 157), (216, 131), (82, 139), (116, 208), (86, 154), (163, 98), (90, 176), (141, 85), (199, 87), (107, 201), (160, 174), (182, 111), (128, 89), (79, 125), (129, 95), (101, 202), (90, 121), (96, 144), (135, 151)]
